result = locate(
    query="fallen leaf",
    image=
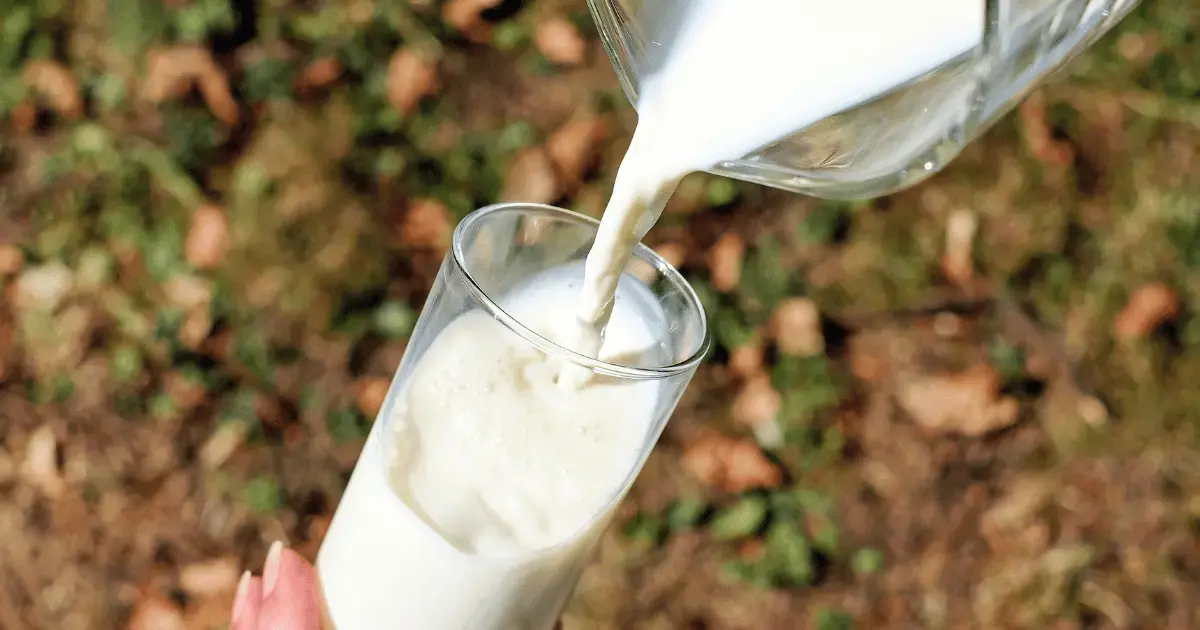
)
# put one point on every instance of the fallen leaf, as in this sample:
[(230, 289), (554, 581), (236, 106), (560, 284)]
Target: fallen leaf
[(370, 393), (967, 403), (465, 16), (725, 262), (674, 252), (24, 118), (188, 291), (751, 550), (173, 72), (1149, 307), (1007, 519), (185, 392), (56, 345), (1138, 46), (40, 467), (410, 78), (960, 236), (427, 223), (560, 41), (44, 287), (573, 146), (270, 411), (222, 444), (8, 468), (209, 613), (210, 577), (530, 178), (56, 84), (319, 73), (1038, 134), (730, 464), (207, 237), (155, 612), (746, 360), (196, 327), (757, 402), (868, 357), (796, 326)]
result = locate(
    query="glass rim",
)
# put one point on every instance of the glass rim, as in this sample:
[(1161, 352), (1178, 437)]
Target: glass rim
[(546, 345)]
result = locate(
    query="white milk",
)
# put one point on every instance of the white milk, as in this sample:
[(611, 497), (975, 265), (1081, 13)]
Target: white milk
[(741, 75), (497, 481)]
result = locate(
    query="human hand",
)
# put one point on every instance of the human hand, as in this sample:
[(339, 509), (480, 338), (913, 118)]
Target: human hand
[(284, 598)]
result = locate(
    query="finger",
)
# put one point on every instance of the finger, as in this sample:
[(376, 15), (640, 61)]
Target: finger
[(246, 603), (289, 593)]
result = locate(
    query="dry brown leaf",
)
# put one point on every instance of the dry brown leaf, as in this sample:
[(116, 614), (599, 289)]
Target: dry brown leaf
[(185, 392), (319, 73), (370, 393), (465, 16), (188, 292), (1149, 307), (270, 411), (1007, 522), (210, 577), (222, 444), (207, 237), (196, 327), (730, 464), (746, 360), (1038, 135), (530, 178), (725, 262), (796, 326), (209, 613), (155, 612), (573, 146), (7, 335), (867, 358), (11, 259), (957, 261), (757, 402), (1138, 46), (40, 467), (752, 550), (24, 118), (427, 224), (674, 252), (968, 403), (173, 72), (410, 78), (55, 84), (560, 41), (44, 287)]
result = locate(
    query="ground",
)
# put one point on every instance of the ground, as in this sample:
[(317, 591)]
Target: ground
[(970, 404)]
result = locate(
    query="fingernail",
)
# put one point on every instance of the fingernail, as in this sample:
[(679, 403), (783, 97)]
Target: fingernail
[(239, 600), (271, 568)]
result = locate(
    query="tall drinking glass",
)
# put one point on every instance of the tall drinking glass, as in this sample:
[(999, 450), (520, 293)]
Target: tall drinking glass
[(386, 561)]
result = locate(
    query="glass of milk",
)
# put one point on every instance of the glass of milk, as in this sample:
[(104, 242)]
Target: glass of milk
[(851, 98), (484, 485)]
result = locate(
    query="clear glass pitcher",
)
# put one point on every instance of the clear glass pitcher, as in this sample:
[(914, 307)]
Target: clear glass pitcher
[(895, 138)]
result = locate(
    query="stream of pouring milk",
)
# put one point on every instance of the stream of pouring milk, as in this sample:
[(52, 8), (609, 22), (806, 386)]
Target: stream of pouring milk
[(740, 76), (476, 503)]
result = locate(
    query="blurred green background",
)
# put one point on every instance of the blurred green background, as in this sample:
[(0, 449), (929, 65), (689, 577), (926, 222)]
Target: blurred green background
[(972, 404)]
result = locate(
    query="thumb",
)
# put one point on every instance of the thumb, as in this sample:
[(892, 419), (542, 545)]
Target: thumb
[(290, 598)]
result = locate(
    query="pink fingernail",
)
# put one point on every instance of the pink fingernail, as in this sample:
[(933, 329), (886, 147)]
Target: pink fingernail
[(239, 600), (271, 568)]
